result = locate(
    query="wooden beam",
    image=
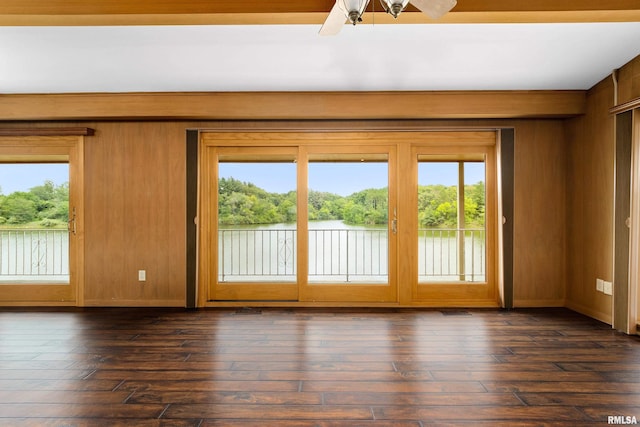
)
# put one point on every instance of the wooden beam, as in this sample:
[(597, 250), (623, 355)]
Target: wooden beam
[(294, 105), (218, 12), (627, 106), (74, 131)]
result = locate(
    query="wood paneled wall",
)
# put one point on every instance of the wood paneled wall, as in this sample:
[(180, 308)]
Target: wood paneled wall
[(540, 230), (629, 81), (135, 176), (135, 210), (590, 198), (135, 214)]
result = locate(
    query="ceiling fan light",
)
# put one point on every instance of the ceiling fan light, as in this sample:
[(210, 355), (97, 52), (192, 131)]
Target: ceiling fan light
[(394, 7), (353, 9)]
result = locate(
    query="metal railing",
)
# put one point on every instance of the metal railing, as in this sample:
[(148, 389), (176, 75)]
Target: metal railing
[(347, 255), (451, 254), (335, 255), (256, 254), (34, 255)]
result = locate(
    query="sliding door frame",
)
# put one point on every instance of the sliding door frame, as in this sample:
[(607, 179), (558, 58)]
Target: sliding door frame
[(63, 149), (403, 141)]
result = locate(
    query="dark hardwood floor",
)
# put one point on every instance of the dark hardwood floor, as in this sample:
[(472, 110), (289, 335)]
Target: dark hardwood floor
[(312, 367)]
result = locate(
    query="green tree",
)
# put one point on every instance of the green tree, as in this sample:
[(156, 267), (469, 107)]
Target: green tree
[(367, 207), (438, 204), (18, 208)]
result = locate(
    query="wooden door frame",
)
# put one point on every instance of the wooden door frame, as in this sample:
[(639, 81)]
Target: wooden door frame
[(243, 291), (403, 139), (628, 310), (55, 145), (461, 293), (368, 292), (210, 143)]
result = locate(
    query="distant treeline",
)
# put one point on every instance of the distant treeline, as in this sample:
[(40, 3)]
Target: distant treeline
[(244, 203), (46, 205)]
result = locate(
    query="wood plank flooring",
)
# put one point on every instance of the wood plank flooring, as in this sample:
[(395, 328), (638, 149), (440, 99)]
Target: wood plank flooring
[(313, 367)]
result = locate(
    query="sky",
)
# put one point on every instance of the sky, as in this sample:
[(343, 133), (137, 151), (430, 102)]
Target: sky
[(22, 177), (342, 178)]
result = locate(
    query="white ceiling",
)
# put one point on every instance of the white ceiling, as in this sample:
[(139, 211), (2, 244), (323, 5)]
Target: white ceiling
[(296, 58)]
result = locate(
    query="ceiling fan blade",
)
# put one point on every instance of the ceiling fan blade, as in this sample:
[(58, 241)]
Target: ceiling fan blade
[(334, 22), (435, 9)]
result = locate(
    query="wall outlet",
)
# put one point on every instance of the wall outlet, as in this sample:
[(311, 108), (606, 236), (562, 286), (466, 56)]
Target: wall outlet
[(608, 288), (599, 285), (142, 275)]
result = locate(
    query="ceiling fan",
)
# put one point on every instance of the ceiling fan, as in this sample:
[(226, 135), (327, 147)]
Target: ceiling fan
[(351, 11)]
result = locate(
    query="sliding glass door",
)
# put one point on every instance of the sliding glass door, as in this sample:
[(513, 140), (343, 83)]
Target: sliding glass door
[(348, 218), (455, 220), (351, 224), (41, 220), (301, 222), (255, 194)]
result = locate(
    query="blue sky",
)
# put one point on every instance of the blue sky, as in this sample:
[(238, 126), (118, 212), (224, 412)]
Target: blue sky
[(22, 177), (342, 178)]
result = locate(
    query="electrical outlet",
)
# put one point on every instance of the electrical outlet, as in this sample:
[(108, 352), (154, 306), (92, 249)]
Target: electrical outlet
[(608, 288), (599, 285), (142, 275)]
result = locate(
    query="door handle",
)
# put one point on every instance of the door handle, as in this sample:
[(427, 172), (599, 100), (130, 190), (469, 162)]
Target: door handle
[(71, 224), (394, 222)]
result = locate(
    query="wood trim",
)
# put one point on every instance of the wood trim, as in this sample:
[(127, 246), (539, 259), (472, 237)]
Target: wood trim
[(220, 12), (583, 309), (633, 297), (70, 148), (457, 292), (75, 131), (529, 303), (627, 106), (382, 137), (317, 18), (134, 303), (133, 7), (295, 105), (625, 162), (399, 293)]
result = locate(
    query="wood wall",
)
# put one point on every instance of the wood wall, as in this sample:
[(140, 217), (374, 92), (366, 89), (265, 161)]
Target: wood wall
[(540, 228), (590, 197), (135, 176), (590, 140), (135, 180), (629, 81), (135, 214)]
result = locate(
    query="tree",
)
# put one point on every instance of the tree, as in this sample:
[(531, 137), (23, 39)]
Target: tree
[(18, 208), (245, 203)]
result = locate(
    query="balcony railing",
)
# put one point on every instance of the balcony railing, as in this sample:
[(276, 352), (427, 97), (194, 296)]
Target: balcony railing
[(256, 255), (34, 255), (347, 255), (451, 254)]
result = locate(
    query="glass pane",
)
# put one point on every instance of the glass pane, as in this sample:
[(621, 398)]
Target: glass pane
[(451, 221), (348, 222), (257, 221), (34, 210)]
